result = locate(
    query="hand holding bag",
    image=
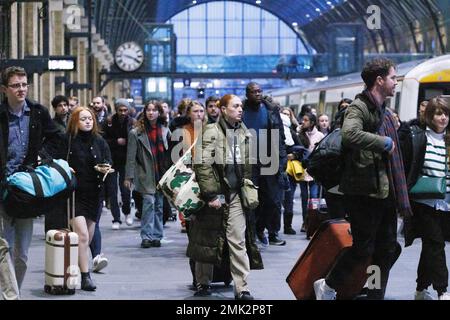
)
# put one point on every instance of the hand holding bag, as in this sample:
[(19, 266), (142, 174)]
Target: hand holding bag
[(249, 195), (430, 187)]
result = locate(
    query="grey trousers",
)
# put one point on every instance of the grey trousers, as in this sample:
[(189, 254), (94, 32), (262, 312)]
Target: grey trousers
[(239, 262), (8, 282)]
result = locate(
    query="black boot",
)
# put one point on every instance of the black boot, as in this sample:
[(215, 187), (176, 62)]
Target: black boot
[(287, 217), (86, 282)]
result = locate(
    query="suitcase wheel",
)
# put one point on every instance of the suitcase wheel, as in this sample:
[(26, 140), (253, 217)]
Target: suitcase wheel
[(58, 290)]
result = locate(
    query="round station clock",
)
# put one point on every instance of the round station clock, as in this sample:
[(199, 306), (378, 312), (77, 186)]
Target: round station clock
[(129, 56)]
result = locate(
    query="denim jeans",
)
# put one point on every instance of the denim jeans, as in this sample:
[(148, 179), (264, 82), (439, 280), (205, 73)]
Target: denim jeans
[(268, 213), (309, 190), (96, 243), (112, 189), (18, 233), (289, 195), (152, 216)]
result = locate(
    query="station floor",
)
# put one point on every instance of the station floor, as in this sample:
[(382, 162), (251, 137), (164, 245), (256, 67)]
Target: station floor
[(134, 273)]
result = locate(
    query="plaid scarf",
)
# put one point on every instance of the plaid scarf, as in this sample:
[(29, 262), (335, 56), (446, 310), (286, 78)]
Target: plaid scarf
[(154, 133), (396, 172)]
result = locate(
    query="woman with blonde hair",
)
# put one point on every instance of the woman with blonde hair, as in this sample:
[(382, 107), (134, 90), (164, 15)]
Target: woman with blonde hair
[(89, 156)]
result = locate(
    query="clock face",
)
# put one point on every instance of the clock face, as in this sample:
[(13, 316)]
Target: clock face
[(129, 56)]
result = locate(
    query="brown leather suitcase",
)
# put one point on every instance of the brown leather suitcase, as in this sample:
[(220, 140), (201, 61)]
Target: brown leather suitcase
[(329, 242), (317, 213)]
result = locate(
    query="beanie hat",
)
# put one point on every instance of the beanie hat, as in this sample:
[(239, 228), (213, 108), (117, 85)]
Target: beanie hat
[(122, 102)]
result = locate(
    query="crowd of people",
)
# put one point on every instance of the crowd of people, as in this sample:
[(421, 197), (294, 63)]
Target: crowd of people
[(125, 153)]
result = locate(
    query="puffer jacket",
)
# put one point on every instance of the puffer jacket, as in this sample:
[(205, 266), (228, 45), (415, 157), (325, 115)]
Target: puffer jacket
[(365, 164), (207, 238)]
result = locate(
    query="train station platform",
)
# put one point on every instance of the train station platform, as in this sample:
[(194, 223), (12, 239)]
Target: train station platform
[(134, 273)]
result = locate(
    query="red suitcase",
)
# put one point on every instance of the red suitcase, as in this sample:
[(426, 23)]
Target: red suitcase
[(331, 239), (317, 213)]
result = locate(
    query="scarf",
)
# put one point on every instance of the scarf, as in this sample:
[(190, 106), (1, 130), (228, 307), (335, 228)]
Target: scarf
[(154, 134), (395, 170)]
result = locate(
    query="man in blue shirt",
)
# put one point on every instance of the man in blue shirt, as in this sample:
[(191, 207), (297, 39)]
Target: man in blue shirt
[(24, 125), (263, 117)]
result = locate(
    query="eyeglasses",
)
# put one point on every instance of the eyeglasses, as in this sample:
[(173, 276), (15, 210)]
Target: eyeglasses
[(17, 86)]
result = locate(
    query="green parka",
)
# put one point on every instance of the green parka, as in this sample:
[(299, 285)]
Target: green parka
[(365, 168), (207, 237)]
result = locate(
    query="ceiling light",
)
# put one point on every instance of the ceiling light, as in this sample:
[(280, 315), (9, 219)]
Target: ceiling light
[(294, 24), (258, 1), (317, 9), (307, 16), (194, 2)]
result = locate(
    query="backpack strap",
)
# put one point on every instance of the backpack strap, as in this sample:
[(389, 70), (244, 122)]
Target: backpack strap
[(37, 184), (61, 171)]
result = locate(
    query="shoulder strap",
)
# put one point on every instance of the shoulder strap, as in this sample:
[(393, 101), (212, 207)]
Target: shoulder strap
[(37, 184), (61, 171)]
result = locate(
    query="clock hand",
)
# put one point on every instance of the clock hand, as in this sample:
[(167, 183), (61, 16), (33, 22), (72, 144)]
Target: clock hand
[(131, 57)]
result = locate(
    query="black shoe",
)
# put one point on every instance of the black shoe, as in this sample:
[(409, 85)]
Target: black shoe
[(289, 230), (203, 291), (275, 241), (146, 243), (244, 295), (156, 243), (86, 283), (303, 228)]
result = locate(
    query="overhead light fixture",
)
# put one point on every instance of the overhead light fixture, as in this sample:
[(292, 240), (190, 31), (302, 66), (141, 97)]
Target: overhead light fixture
[(294, 24), (258, 1), (317, 9), (194, 2), (329, 3), (307, 16)]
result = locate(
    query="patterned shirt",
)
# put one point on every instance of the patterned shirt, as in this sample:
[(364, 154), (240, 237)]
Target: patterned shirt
[(18, 138), (434, 166)]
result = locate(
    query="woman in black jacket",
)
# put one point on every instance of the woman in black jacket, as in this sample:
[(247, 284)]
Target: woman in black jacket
[(427, 153), (89, 156)]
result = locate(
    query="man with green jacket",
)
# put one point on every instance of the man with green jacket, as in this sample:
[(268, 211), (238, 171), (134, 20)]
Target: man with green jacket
[(373, 183)]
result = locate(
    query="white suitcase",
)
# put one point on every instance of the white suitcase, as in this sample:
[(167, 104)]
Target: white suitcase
[(62, 274)]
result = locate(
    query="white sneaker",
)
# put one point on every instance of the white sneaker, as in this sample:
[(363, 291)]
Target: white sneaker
[(115, 226), (444, 296), (423, 295), (129, 220), (99, 263), (323, 291)]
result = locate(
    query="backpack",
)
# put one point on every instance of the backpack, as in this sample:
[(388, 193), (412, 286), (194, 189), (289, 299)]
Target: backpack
[(29, 192), (325, 163)]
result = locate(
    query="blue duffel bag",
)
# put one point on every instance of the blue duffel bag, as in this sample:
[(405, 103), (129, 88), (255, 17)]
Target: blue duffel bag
[(30, 192)]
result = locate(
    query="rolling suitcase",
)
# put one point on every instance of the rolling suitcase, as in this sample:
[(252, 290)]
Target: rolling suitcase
[(317, 213), (331, 240), (62, 274)]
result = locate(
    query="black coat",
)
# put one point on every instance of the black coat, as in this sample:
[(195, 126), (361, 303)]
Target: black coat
[(42, 130), (86, 151), (114, 131), (413, 146)]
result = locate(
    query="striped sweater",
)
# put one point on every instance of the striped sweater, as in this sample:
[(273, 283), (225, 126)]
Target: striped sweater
[(434, 166)]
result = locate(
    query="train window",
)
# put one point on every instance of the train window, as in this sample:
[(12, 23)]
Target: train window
[(331, 109), (431, 93)]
